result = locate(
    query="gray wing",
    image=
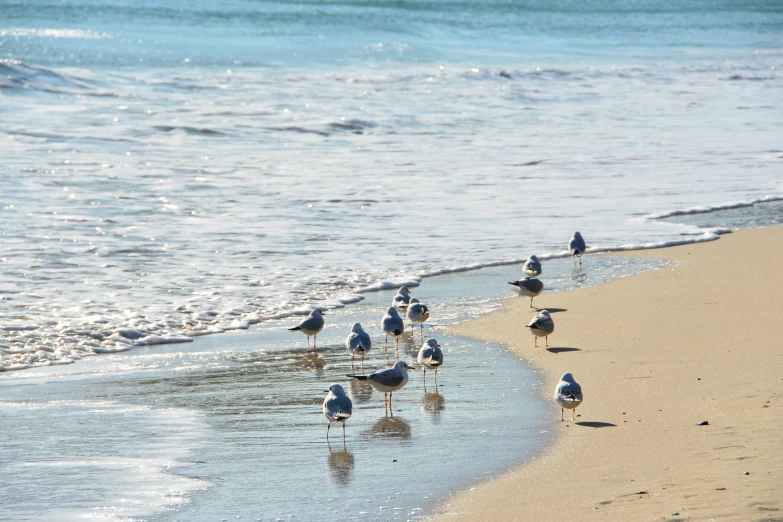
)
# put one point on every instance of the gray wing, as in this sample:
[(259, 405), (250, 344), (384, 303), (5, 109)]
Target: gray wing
[(542, 323), (387, 378), (312, 323), (570, 390), (533, 285), (577, 244), (359, 342), (431, 355), (340, 405), (391, 324)]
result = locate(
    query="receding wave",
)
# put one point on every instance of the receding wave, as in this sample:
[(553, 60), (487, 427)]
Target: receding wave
[(16, 76)]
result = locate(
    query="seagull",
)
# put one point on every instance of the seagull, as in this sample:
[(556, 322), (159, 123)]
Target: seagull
[(576, 246), (430, 358), (542, 325), (337, 408), (387, 381), (392, 325), (532, 266), (311, 325), (358, 343), (529, 286), (401, 300), (568, 394), (417, 313)]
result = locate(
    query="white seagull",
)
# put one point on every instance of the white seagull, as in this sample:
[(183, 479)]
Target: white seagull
[(392, 325), (568, 394), (542, 325), (358, 343), (388, 381), (417, 313), (430, 358), (337, 408), (576, 246), (532, 266), (529, 286), (311, 325), (401, 300)]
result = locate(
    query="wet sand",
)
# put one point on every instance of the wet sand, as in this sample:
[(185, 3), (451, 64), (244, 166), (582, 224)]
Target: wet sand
[(656, 354)]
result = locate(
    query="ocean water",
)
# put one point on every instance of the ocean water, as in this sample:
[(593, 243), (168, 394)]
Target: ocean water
[(169, 171)]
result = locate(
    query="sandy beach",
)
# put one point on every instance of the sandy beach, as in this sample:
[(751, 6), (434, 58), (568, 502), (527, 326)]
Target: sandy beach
[(656, 354)]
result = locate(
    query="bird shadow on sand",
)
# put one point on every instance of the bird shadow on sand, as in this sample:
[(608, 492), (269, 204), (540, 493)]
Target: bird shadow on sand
[(592, 424), (561, 349), (552, 310)]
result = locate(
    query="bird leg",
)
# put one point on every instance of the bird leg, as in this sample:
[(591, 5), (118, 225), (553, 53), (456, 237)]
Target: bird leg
[(315, 337), (352, 362), (412, 327), (385, 404), (343, 434), (561, 414), (536, 341), (573, 414), (308, 342), (436, 377), (362, 364), (391, 412), (387, 339), (531, 303), (328, 425), (421, 330), (425, 376), (547, 340)]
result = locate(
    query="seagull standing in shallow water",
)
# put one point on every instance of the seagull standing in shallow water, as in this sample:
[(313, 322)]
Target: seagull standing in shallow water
[(529, 286), (337, 408), (402, 299), (542, 325), (358, 343), (576, 246), (311, 325), (568, 394), (417, 313), (532, 266), (392, 325), (430, 358), (387, 381)]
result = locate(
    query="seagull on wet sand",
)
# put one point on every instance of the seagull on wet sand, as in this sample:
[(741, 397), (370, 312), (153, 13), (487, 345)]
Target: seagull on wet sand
[(576, 246), (387, 381), (568, 395), (542, 325), (337, 408), (529, 286), (311, 325), (358, 343), (417, 313), (430, 358), (392, 325), (402, 299), (532, 267)]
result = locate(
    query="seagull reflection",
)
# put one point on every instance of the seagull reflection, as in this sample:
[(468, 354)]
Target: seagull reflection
[(391, 428), (360, 391), (311, 361), (340, 467), (433, 404), (578, 275)]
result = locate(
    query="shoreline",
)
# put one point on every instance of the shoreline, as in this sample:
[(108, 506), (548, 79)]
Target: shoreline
[(701, 331)]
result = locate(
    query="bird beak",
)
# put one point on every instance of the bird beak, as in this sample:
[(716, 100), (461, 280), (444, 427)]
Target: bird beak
[(411, 368), (326, 391)]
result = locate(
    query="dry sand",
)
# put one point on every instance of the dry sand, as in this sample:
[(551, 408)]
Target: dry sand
[(656, 354)]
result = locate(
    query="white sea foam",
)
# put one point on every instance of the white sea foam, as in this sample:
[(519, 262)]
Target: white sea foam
[(703, 209), (75, 34)]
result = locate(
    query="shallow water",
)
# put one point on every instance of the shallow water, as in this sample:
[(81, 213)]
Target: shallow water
[(230, 425)]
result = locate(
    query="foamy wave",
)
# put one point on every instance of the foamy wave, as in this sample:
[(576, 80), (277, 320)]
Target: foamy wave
[(74, 34), (703, 209)]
